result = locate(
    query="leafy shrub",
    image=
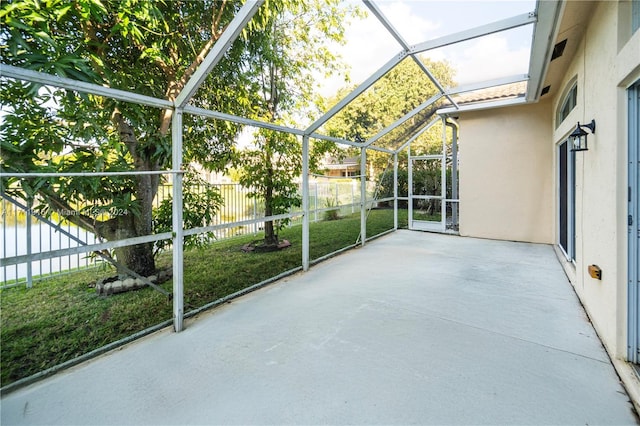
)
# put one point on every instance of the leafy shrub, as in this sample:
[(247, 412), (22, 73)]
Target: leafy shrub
[(335, 209), (201, 201)]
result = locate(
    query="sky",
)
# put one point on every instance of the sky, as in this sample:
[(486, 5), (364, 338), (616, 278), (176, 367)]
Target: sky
[(369, 45)]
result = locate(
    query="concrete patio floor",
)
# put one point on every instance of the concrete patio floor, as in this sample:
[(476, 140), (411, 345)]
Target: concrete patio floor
[(414, 328)]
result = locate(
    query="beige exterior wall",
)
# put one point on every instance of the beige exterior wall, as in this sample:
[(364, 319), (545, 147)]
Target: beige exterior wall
[(605, 64), (506, 174)]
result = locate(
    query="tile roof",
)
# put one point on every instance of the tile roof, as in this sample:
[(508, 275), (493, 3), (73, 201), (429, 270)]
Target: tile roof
[(507, 91)]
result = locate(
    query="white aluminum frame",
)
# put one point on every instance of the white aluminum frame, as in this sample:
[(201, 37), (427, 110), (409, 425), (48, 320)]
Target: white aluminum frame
[(470, 34), (218, 50), (545, 19), (517, 78), (403, 119), (544, 35), (633, 225), (405, 46)]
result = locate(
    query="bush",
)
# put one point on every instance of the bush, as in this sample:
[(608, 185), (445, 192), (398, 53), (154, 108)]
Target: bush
[(332, 214)]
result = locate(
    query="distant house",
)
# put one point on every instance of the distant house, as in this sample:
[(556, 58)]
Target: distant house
[(341, 167)]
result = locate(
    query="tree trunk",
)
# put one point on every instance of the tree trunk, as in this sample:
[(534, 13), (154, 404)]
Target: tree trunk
[(270, 237), (123, 223), (138, 258)]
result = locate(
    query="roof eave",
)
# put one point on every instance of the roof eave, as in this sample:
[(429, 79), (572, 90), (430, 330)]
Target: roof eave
[(549, 14), (483, 105)]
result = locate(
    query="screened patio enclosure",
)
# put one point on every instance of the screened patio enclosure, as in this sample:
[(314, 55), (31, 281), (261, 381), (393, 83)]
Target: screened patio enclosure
[(535, 23)]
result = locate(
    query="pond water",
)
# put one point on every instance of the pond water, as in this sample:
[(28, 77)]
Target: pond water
[(44, 238)]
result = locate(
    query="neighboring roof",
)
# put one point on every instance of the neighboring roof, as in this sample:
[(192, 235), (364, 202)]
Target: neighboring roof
[(333, 163), (545, 20), (501, 91), (508, 91)]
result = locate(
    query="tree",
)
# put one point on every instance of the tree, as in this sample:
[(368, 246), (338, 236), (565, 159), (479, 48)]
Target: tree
[(286, 73), (149, 47), (269, 171), (395, 94)]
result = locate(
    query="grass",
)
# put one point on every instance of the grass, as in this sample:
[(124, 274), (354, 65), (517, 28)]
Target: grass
[(62, 318), (420, 215)]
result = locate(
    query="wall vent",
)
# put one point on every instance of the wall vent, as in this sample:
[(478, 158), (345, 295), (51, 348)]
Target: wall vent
[(558, 49)]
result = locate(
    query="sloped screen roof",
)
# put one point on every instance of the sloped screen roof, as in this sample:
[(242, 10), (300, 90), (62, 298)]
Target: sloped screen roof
[(494, 51), (486, 47)]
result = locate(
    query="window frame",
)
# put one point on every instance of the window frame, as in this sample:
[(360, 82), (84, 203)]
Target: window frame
[(569, 100), (567, 200)]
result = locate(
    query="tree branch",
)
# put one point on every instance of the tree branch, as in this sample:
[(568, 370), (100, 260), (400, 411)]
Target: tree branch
[(175, 87), (216, 20), (62, 208)]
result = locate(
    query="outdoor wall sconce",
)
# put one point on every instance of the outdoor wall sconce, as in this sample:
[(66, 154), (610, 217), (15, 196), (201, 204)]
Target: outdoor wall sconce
[(578, 137)]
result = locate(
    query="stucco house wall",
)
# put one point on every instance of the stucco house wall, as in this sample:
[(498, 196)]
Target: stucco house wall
[(509, 186), (604, 66), (506, 174)]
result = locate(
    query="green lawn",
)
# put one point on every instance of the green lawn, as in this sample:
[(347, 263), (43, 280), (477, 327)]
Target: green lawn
[(62, 318)]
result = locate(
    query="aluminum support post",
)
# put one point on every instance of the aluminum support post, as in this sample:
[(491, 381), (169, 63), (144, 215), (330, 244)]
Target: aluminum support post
[(178, 237), (443, 176), (29, 248), (454, 171), (395, 191), (305, 203), (409, 188), (363, 195)]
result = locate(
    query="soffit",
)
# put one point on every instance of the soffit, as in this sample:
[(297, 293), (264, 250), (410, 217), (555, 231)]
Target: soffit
[(574, 21)]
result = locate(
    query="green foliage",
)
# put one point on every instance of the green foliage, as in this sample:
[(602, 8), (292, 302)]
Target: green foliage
[(285, 75), (395, 94), (201, 200), (62, 317), (269, 171), (426, 177), (385, 186), (38, 135), (147, 47), (334, 213)]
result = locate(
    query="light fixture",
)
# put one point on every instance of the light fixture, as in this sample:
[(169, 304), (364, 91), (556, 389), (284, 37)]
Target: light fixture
[(578, 137)]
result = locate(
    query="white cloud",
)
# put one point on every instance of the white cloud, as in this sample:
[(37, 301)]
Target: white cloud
[(369, 46), (486, 58), (412, 27)]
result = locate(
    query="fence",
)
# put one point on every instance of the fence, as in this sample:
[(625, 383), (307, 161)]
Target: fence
[(22, 233)]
